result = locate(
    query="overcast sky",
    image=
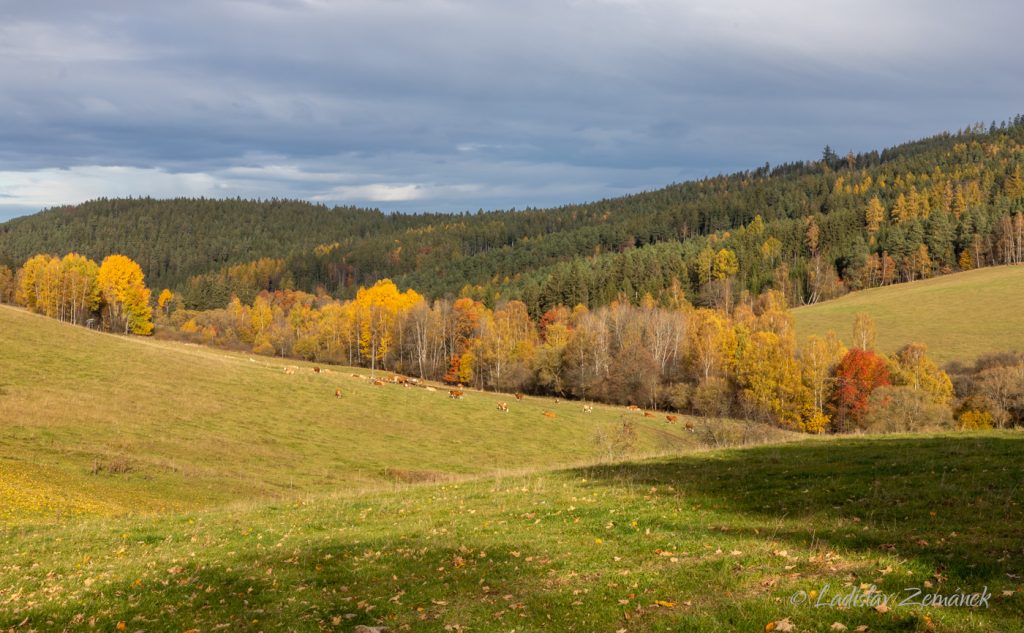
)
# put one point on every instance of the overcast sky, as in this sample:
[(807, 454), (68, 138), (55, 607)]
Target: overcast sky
[(445, 105)]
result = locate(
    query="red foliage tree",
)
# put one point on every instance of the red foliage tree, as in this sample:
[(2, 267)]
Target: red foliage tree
[(452, 376), (858, 374)]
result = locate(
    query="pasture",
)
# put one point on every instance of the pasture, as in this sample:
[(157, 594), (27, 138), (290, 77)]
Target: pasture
[(94, 421), (960, 316)]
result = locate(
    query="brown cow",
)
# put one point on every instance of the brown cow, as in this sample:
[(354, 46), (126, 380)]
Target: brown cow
[(588, 408), (456, 394), (337, 393), (671, 418), (377, 382), (633, 408), (648, 414), (689, 427), (503, 407), (316, 370), (549, 414), (519, 396)]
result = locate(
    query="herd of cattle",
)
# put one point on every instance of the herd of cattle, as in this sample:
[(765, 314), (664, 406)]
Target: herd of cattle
[(459, 394)]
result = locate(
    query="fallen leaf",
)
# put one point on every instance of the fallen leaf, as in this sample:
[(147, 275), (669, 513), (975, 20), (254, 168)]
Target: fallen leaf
[(665, 603), (882, 608), (837, 626), (784, 626)]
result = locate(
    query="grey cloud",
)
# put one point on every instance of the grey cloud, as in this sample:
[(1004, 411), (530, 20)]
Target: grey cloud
[(442, 104)]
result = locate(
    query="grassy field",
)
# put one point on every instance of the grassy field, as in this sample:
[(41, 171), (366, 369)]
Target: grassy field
[(959, 317), (91, 422), (150, 486), (715, 541)]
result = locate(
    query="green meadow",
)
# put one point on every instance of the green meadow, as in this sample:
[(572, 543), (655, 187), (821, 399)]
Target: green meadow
[(960, 317)]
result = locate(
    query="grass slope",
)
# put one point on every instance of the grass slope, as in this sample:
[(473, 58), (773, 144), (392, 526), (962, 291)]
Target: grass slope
[(959, 317), (195, 427), (716, 541)]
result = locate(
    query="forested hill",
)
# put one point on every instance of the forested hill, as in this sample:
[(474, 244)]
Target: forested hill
[(812, 229)]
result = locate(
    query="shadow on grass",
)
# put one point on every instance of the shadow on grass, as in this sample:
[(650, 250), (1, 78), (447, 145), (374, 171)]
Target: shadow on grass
[(955, 502)]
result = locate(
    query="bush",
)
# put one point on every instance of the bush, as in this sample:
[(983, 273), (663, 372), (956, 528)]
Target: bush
[(973, 420)]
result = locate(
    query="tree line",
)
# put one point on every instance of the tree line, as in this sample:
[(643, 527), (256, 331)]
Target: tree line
[(741, 360)]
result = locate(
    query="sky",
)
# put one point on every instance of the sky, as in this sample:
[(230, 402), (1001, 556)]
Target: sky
[(450, 105)]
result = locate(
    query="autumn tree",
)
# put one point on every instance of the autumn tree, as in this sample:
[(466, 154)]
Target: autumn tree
[(164, 300), (874, 215), (912, 367), (818, 359), (712, 343), (863, 331), (857, 375), (378, 309), (124, 295)]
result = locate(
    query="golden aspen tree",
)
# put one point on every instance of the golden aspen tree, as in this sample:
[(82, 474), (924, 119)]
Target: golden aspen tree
[(863, 331), (164, 300), (125, 295), (80, 293)]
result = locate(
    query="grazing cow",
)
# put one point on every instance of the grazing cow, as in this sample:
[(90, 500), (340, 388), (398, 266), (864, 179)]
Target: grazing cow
[(456, 394), (378, 382), (633, 408), (648, 414), (671, 418), (689, 427), (289, 370), (519, 396), (503, 407), (588, 408), (316, 370), (549, 414), (337, 393)]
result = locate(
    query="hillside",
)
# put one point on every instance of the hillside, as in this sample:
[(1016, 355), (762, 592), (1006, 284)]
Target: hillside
[(812, 229), (959, 317), (96, 422)]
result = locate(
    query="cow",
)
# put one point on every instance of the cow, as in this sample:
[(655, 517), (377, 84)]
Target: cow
[(357, 376), (588, 408), (633, 408), (456, 394), (648, 414), (671, 418), (549, 414), (337, 393), (377, 382), (289, 370), (689, 427), (519, 396), (503, 407), (316, 370)]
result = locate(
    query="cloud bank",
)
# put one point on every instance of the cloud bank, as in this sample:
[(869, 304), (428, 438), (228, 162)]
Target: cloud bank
[(448, 105)]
